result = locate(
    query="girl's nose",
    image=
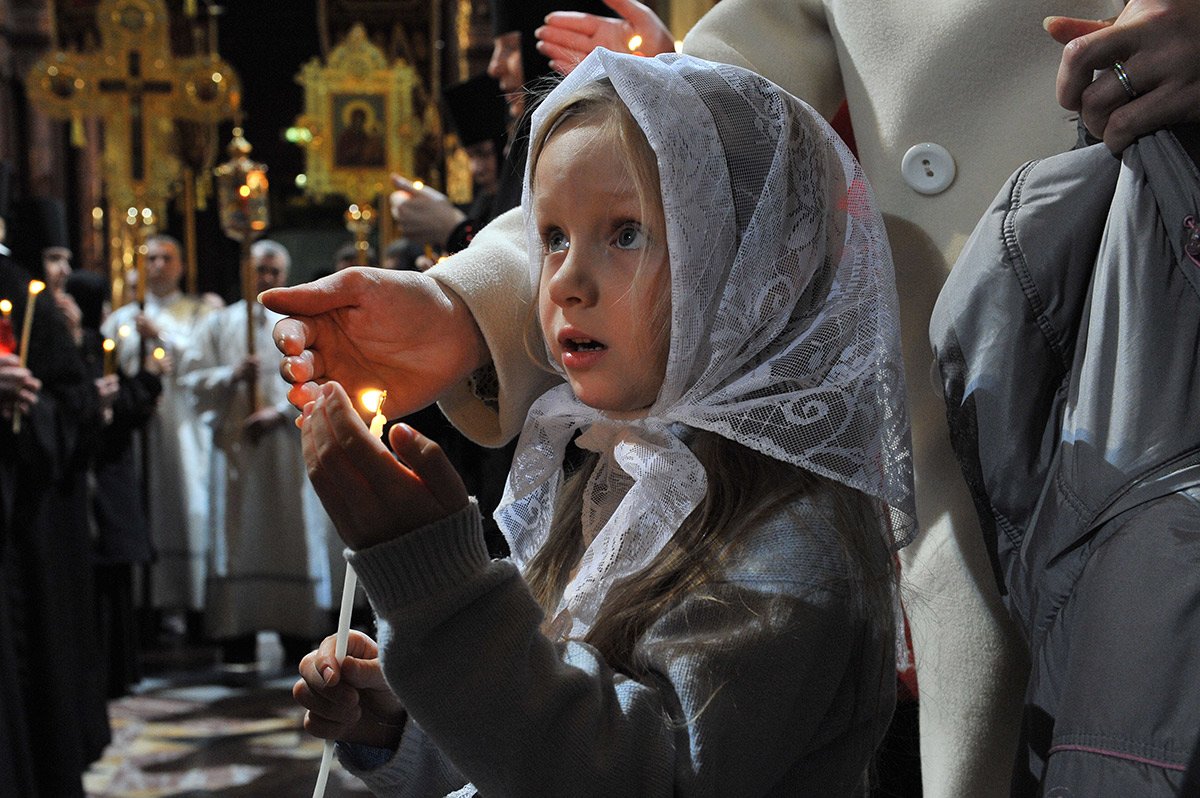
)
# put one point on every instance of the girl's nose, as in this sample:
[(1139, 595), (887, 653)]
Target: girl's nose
[(573, 283)]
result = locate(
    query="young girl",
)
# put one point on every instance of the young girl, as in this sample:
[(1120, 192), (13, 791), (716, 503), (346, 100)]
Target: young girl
[(703, 605)]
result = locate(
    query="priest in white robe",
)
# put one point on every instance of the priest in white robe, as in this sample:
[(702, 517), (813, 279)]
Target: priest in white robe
[(269, 567), (177, 490)]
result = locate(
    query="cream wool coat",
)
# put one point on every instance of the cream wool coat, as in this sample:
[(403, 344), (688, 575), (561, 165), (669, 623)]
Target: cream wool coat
[(975, 77)]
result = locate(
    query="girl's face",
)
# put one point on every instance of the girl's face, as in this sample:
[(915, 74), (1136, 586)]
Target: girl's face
[(605, 274)]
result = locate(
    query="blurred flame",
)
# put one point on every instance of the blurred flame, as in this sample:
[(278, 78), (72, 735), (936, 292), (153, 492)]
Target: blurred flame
[(370, 399), (635, 41)]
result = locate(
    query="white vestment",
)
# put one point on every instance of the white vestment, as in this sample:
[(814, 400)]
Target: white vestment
[(177, 456), (269, 566)]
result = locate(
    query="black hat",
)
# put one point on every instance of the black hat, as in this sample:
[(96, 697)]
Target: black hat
[(477, 110), (36, 225), (90, 291)]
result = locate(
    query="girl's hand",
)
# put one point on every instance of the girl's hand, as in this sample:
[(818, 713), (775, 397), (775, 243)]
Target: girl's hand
[(568, 36), (1155, 40), (371, 495), (350, 702)]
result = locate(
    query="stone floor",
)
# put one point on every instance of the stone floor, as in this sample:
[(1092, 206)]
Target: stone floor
[(196, 728)]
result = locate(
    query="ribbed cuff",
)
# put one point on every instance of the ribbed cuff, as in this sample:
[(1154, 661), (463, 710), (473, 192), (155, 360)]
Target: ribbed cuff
[(423, 562)]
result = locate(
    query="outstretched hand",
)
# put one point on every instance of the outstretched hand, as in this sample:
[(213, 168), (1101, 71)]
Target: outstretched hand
[(371, 495), (375, 328), (568, 36), (424, 214), (1155, 42), (348, 701)]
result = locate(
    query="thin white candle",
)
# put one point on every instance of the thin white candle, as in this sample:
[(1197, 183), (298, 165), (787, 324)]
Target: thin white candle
[(339, 651), (35, 287)]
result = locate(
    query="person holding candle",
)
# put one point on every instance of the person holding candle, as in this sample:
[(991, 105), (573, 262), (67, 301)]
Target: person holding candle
[(122, 534), (52, 701), (270, 565), (705, 605), (177, 450)]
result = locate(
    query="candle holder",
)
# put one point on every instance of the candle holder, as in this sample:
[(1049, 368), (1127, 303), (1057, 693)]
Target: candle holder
[(360, 220), (245, 215)]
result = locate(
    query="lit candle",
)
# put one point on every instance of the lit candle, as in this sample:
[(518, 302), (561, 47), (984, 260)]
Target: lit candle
[(7, 343), (35, 287), (418, 185), (110, 356), (159, 353), (373, 401), (635, 41)]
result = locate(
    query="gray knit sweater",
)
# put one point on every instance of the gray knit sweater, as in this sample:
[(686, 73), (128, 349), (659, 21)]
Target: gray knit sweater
[(768, 682)]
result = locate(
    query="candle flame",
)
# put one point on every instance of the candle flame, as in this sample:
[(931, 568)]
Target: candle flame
[(159, 353), (418, 185), (244, 191), (36, 287), (635, 41), (372, 399), (5, 307), (109, 344), (123, 331)]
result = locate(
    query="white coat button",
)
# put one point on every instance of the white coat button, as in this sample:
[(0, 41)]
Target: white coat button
[(927, 168)]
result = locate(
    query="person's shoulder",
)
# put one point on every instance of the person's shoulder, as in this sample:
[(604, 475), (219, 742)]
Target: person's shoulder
[(797, 545)]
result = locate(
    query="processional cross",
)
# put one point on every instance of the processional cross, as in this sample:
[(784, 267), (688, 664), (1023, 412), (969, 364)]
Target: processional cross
[(139, 90)]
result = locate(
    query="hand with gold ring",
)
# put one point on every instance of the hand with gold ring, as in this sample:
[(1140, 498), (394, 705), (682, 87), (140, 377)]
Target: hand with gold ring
[(1134, 74)]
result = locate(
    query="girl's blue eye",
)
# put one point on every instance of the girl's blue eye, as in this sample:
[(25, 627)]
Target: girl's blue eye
[(630, 236), (556, 241)]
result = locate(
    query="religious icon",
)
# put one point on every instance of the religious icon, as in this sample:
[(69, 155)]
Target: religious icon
[(359, 120), (358, 132)]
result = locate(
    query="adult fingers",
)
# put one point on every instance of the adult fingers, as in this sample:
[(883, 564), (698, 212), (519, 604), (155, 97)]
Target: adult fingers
[(1064, 29), (1148, 112), (565, 39), (1084, 55), (337, 290), (562, 22)]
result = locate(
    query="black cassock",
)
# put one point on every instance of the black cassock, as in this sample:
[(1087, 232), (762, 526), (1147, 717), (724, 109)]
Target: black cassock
[(53, 718)]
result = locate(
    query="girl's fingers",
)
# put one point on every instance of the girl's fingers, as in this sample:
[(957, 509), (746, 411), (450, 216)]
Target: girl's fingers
[(427, 460)]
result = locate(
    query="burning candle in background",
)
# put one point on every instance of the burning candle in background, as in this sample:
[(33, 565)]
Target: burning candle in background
[(123, 331), (35, 287), (110, 356), (159, 353), (8, 343)]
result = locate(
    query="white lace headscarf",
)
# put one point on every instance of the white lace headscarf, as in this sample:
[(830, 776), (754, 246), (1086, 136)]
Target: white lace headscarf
[(784, 325)]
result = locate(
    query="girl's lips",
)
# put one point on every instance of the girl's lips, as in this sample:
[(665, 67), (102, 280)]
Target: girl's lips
[(582, 359)]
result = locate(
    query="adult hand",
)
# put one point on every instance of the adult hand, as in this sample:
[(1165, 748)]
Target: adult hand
[(146, 327), (371, 495), (71, 314), (260, 422), (568, 36), (160, 365), (246, 369), (349, 701), (425, 215), (1155, 42), (107, 388), (18, 387), (375, 328)]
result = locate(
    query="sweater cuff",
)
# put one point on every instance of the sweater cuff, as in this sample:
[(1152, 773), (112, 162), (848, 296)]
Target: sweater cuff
[(425, 561)]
